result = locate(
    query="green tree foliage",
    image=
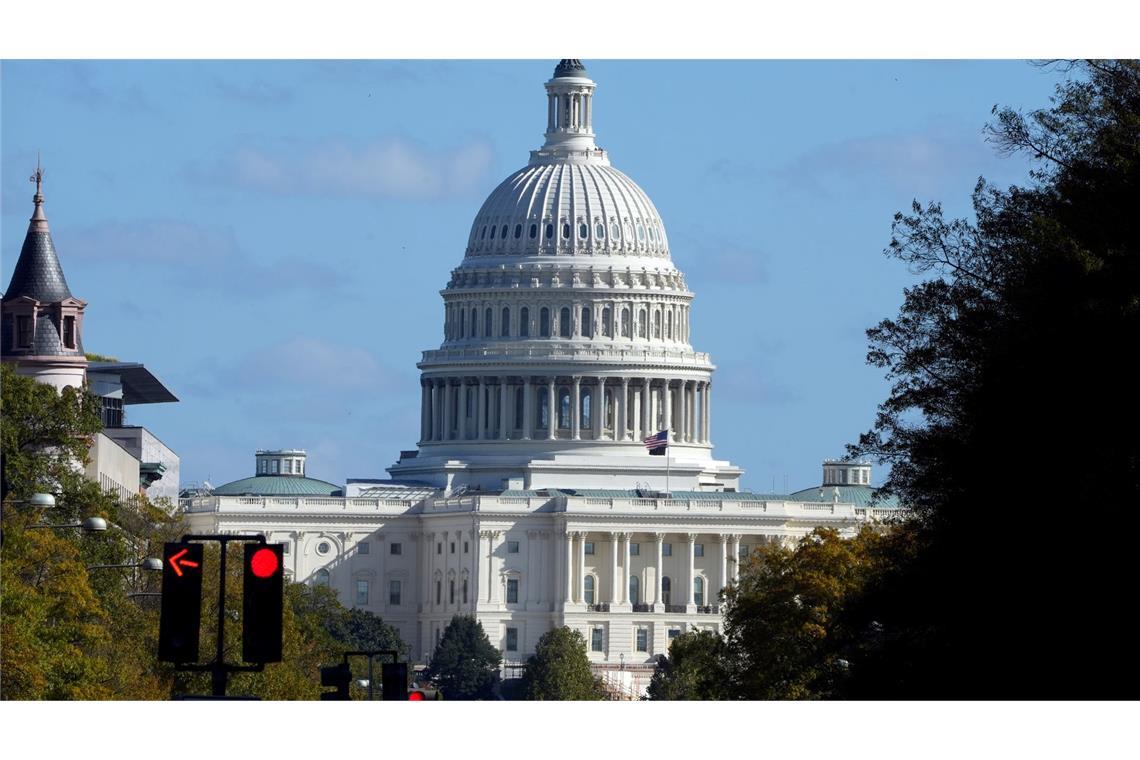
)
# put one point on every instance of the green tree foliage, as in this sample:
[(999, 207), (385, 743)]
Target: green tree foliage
[(697, 668), (465, 664), (560, 670), (1012, 418)]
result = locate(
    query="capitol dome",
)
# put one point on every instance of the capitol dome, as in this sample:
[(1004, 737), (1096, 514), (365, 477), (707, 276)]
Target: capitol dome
[(566, 329)]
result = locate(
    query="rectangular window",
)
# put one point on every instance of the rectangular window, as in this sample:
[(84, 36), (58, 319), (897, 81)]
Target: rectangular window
[(23, 331), (362, 547), (439, 548), (512, 547), (452, 549), (635, 550), (284, 548), (362, 592), (589, 547), (69, 332), (395, 548), (512, 639), (674, 633), (596, 639), (698, 550), (666, 550), (465, 591), (512, 591), (394, 593), (466, 547), (742, 553), (439, 592), (451, 592), (643, 639)]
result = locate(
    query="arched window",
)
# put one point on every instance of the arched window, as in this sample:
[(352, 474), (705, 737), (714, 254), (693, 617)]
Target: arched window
[(474, 323), (564, 409), (451, 591), (625, 323), (583, 231), (465, 589), (600, 231), (504, 232), (615, 231), (609, 408), (565, 229), (488, 328), (524, 322), (640, 232), (666, 589), (641, 323), (543, 419), (321, 577), (518, 231), (587, 323), (589, 582), (669, 324), (564, 322), (520, 400), (699, 591), (656, 323), (549, 231), (492, 232), (634, 590), (533, 231), (607, 322), (483, 234), (505, 325), (463, 323), (544, 323), (584, 413)]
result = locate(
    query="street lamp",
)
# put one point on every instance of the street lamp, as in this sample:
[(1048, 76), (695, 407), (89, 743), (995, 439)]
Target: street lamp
[(150, 563), (621, 656), (89, 525)]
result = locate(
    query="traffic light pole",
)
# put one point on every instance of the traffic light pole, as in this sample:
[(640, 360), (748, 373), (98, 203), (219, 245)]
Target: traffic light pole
[(219, 670), (370, 654)]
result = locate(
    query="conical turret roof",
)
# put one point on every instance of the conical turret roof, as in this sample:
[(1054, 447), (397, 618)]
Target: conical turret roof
[(38, 273)]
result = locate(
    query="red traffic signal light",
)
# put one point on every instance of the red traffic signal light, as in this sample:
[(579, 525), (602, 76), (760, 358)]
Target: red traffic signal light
[(263, 586), (181, 602), (415, 695)]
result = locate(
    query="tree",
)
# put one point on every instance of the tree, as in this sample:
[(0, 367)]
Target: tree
[(696, 668), (1012, 415), (560, 670), (464, 664)]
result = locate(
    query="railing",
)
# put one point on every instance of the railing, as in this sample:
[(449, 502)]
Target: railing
[(675, 608), (642, 607), (708, 609), (556, 351), (600, 607)]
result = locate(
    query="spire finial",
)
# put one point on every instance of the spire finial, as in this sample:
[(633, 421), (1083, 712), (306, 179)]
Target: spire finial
[(39, 220)]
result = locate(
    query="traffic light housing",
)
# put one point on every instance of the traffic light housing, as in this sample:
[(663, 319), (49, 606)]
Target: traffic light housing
[(394, 677), (181, 602), (338, 676), (263, 584)]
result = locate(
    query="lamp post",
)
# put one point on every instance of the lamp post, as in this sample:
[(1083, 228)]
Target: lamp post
[(89, 525), (150, 563)]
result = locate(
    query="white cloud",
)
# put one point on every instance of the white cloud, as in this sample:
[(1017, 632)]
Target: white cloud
[(391, 167)]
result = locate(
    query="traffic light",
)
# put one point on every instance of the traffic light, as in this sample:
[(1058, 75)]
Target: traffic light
[(394, 677), (415, 695), (262, 599), (338, 676), (181, 602)]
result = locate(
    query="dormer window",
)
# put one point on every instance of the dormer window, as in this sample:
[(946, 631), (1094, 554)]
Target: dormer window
[(23, 331), (69, 332)]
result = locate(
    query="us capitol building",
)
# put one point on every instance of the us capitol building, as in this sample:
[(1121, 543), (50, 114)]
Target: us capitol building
[(531, 500)]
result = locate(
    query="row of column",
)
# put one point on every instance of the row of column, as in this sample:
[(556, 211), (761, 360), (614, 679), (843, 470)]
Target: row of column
[(568, 111), (574, 590), (599, 408)]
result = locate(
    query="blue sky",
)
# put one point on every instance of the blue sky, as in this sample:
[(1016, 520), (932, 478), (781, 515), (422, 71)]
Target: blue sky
[(270, 237)]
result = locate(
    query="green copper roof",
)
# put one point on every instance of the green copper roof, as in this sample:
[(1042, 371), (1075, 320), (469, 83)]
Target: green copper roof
[(278, 485), (860, 496)]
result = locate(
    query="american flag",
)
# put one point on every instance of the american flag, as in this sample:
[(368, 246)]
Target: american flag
[(657, 441)]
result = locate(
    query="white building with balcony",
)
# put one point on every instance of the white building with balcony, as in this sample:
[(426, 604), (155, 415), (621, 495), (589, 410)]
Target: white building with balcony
[(531, 500)]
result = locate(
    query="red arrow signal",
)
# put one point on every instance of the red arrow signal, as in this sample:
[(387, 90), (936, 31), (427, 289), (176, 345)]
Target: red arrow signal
[(177, 560)]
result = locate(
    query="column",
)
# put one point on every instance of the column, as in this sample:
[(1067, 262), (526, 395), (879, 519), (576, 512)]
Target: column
[(569, 599), (551, 415), (660, 570), (736, 558), (382, 602), (723, 561), (447, 401), (622, 411), (689, 600), (581, 578), (528, 409), (625, 575), (646, 424), (481, 409), (461, 433), (576, 410), (638, 430), (503, 408), (708, 411), (424, 561), (492, 582), (667, 407), (614, 577), (691, 402), (595, 407), (683, 427), (423, 411), (435, 410)]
